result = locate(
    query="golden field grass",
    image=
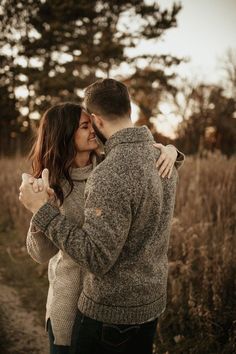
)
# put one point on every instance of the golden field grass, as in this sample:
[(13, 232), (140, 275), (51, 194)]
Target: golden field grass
[(201, 312)]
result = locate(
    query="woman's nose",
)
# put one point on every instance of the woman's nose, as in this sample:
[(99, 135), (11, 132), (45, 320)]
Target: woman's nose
[(91, 128)]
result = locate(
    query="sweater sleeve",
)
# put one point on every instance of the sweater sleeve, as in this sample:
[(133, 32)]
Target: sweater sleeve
[(39, 247), (180, 159), (97, 245)]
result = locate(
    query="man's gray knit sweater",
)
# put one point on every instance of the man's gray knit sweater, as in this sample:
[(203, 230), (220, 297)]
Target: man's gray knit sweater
[(123, 242)]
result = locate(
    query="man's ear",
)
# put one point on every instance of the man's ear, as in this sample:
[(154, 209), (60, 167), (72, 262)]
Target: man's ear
[(97, 120)]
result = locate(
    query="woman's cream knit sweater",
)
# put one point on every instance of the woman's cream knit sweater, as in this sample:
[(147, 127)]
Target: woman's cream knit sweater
[(65, 276)]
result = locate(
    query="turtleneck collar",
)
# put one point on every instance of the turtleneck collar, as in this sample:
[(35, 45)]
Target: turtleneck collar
[(128, 135), (82, 173)]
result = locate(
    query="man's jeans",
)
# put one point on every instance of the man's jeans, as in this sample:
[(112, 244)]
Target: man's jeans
[(94, 337)]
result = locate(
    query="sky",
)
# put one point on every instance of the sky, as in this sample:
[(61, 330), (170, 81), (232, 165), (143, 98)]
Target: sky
[(205, 30)]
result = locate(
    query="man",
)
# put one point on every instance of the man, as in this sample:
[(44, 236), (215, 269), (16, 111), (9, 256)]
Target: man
[(123, 243)]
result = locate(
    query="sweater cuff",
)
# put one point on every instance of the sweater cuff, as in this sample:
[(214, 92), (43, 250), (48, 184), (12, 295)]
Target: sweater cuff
[(44, 216), (180, 159)]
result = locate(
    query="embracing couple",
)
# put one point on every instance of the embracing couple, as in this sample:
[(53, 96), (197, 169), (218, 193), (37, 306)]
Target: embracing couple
[(102, 196)]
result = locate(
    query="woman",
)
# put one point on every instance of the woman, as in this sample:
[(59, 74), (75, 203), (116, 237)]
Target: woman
[(67, 146)]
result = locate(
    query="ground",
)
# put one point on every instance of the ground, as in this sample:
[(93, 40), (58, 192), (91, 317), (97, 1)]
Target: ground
[(20, 330), (22, 306)]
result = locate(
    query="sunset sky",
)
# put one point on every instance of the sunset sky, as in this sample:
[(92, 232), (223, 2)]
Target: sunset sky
[(205, 30)]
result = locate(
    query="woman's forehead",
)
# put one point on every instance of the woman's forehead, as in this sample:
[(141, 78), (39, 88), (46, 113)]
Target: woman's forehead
[(84, 117)]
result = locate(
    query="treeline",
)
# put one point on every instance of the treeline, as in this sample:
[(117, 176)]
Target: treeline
[(208, 118), (51, 50)]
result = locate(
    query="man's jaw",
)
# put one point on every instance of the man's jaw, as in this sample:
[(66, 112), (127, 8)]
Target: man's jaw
[(99, 134)]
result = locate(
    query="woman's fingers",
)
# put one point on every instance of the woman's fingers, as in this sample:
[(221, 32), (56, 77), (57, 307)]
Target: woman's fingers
[(164, 164), (51, 192), (158, 145), (37, 185), (166, 159), (45, 177), (40, 183), (170, 172), (165, 168), (162, 155), (161, 159)]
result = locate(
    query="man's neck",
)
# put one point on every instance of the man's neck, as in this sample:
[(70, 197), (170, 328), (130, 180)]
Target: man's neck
[(112, 129)]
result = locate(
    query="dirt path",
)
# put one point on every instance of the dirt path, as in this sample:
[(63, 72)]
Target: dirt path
[(20, 331)]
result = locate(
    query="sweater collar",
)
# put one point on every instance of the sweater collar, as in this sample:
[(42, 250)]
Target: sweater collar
[(82, 173), (128, 135)]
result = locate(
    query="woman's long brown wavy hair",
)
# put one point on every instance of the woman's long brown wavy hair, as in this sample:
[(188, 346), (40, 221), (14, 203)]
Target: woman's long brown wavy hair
[(54, 147)]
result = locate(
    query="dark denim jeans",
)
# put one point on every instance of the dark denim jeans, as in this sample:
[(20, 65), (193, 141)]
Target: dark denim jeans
[(56, 349), (94, 337)]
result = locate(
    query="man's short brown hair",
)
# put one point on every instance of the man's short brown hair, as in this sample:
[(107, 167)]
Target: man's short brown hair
[(108, 98)]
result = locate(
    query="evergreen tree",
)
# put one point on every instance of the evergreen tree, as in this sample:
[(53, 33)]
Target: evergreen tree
[(68, 45)]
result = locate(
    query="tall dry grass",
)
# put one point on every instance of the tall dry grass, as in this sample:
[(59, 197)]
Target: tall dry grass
[(12, 214), (201, 310)]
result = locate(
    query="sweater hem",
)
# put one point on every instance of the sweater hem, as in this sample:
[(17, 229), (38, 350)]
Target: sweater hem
[(121, 314), (61, 337)]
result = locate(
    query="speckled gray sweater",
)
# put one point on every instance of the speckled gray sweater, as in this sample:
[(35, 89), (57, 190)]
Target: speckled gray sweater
[(123, 242)]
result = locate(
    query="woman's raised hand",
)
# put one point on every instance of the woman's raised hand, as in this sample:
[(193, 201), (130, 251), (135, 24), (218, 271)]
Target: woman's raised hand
[(166, 160), (38, 184)]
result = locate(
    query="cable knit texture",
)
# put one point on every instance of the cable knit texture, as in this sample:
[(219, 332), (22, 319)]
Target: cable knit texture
[(123, 243), (65, 276)]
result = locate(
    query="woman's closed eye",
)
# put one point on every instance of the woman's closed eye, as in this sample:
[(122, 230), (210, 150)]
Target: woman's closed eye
[(84, 126)]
